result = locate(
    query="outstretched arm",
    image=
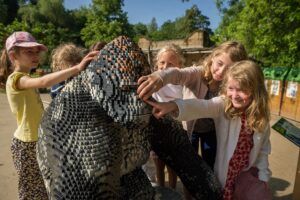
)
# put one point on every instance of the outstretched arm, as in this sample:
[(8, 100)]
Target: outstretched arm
[(189, 76), (48, 80), (188, 109), (160, 109)]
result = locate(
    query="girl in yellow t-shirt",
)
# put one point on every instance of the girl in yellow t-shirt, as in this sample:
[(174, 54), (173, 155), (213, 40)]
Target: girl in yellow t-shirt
[(22, 53)]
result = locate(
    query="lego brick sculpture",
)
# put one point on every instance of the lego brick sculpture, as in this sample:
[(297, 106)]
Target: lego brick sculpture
[(95, 135)]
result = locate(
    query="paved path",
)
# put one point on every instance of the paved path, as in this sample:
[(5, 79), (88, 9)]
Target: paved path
[(283, 159)]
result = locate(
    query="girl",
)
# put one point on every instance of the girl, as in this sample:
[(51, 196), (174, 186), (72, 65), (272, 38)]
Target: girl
[(22, 51), (64, 57), (169, 56), (199, 82), (241, 116)]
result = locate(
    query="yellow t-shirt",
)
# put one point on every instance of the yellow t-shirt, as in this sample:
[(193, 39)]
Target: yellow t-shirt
[(27, 107)]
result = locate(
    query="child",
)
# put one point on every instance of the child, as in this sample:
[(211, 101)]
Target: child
[(22, 51), (64, 57), (169, 56), (201, 82), (241, 117)]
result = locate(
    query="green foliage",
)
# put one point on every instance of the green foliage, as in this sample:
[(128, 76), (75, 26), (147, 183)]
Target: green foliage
[(45, 11), (53, 11), (139, 30), (24, 2), (195, 20), (30, 14), (5, 31), (152, 27), (45, 33), (8, 10), (182, 27), (270, 30), (52, 14), (51, 24), (105, 21)]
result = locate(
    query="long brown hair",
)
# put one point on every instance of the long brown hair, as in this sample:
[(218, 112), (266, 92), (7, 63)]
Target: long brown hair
[(251, 79), (234, 49), (6, 66)]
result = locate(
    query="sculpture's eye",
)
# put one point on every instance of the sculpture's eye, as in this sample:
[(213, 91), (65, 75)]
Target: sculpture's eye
[(129, 87)]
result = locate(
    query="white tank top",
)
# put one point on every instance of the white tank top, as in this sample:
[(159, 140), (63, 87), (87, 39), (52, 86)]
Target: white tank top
[(168, 93)]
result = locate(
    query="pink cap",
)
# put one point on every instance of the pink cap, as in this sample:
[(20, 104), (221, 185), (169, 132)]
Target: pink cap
[(22, 39)]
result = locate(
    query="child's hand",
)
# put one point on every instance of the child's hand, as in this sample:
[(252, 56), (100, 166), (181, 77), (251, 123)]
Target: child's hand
[(86, 60), (148, 85), (160, 109)]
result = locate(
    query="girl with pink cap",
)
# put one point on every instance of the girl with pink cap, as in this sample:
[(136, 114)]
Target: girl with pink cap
[(19, 57)]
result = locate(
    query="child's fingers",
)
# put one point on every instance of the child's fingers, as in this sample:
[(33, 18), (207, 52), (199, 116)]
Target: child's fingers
[(142, 79), (86, 61), (157, 110), (152, 103), (144, 90), (158, 113), (92, 54), (89, 57), (141, 87)]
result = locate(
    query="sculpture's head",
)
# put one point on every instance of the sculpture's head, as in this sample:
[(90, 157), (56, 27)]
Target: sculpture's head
[(114, 78)]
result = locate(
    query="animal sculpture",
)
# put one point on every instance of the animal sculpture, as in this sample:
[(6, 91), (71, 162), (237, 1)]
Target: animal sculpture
[(96, 134)]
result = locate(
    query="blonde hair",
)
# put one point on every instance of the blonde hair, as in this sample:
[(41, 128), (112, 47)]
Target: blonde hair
[(251, 79), (173, 48), (234, 49), (65, 56)]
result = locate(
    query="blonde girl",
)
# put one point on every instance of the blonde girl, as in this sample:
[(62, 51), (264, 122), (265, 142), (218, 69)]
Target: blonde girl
[(169, 56), (22, 53), (241, 116), (64, 57), (201, 82)]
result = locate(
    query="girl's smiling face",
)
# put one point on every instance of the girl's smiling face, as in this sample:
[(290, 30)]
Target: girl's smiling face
[(239, 97), (168, 59), (220, 64)]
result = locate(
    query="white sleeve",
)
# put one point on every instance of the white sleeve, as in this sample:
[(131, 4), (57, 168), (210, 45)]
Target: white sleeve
[(190, 109), (262, 162)]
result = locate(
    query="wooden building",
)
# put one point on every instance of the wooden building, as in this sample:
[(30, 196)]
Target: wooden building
[(194, 47)]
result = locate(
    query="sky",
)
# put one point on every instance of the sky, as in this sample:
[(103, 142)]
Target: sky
[(144, 10)]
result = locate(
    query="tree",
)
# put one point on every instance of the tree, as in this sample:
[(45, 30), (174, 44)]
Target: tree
[(140, 30), (24, 2), (195, 20), (152, 27), (6, 30), (105, 21), (9, 9), (49, 13), (45, 11), (180, 28), (53, 11), (270, 29), (167, 31)]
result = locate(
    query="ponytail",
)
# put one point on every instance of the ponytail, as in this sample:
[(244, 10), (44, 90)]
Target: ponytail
[(5, 68)]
